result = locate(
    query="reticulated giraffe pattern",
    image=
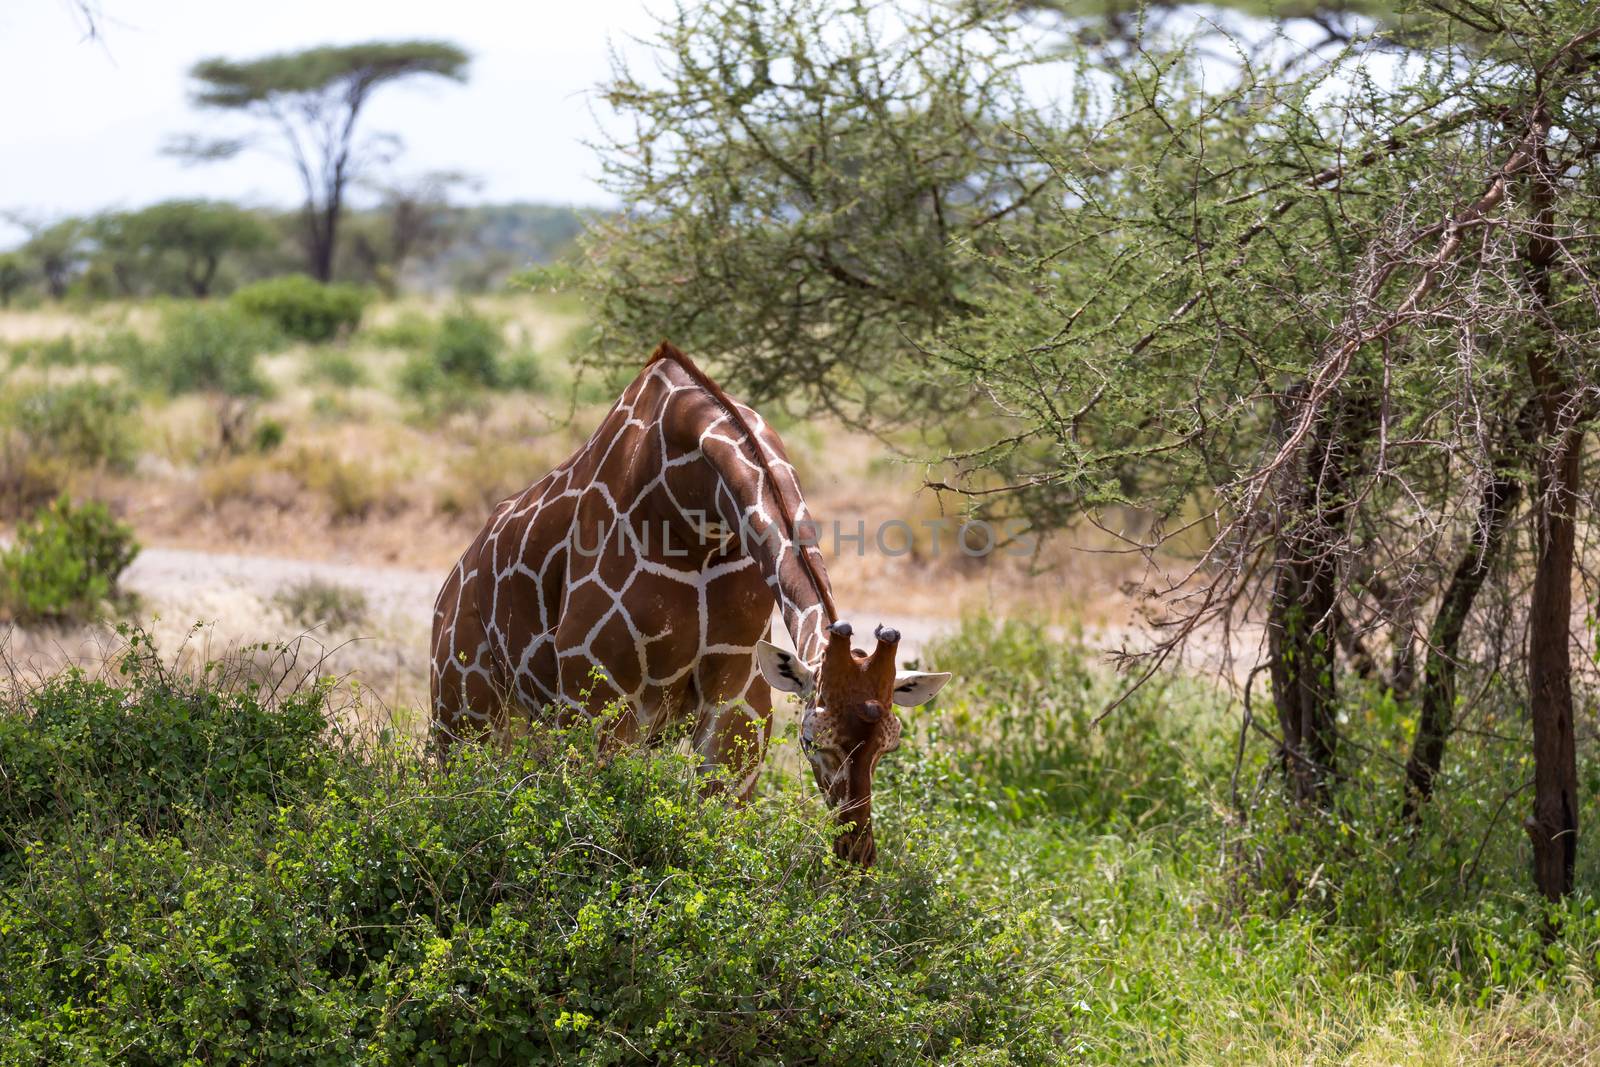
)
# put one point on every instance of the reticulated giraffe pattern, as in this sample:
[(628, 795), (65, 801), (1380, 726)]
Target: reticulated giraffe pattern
[(643, 570)]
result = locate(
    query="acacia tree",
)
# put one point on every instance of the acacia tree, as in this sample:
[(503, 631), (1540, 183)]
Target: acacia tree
[(187, 237), (1436, 230), (54, 251), (312, 102), (799, 190), (1334, 318), (413, 217), (13, 276)]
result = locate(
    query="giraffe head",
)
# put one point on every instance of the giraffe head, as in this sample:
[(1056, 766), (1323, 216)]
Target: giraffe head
[(848, 721)]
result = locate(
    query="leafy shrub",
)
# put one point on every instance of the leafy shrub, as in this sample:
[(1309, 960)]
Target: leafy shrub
[(523, 372), (269, 898), (65, 563), (337, 368), (152, 748), (314, 602), (468, 348), (208, 348), (437, 394), (86, 423), (465, 354), (411, 331), (268, 435), (304, 308), (1020, 716)]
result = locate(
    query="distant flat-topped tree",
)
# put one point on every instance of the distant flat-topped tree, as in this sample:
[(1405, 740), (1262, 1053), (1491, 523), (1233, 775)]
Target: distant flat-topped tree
[(313, 99)]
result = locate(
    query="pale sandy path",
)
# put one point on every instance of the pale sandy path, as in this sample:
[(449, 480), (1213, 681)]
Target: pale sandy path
[(176, 578), (176, 575), (210, 602), (228, 589)]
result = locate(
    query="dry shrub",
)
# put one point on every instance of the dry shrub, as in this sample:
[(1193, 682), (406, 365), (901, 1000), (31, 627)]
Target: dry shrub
[(316, 602), (352, 488), (28, 481), (490, 472), (252, 478)]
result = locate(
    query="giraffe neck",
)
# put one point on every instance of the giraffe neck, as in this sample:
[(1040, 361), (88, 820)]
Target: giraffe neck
[(768, 515), (758, 497)]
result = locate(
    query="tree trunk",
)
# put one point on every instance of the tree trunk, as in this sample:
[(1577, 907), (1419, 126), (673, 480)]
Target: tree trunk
[(321, 252), (201, 275), (1553, 826), (1302, 621), (1497, 505), (321, 227)]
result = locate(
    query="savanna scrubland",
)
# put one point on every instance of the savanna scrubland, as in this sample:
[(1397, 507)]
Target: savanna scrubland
[(1288, 356)]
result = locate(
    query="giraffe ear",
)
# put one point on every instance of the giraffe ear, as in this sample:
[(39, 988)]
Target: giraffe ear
[(782, 670), (912, 688)]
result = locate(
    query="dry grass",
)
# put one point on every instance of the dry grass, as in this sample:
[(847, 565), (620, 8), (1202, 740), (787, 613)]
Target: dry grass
[(1537, 1032), (363, 477)]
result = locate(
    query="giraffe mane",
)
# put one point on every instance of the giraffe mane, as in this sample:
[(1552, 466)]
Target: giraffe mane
[(666, 350)]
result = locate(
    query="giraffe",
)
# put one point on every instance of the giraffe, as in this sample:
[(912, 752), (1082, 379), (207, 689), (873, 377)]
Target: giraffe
[(642, 573)]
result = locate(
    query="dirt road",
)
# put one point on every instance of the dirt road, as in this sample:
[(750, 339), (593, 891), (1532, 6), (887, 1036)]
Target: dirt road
[(205, 604)]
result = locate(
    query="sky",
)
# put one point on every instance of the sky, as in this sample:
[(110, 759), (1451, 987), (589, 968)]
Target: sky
[(86, 119)]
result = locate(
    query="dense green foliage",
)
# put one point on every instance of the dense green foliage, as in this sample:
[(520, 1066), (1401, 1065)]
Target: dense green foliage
[(466, 352), (270, 894), (177, 246), (303, 308), (63, 566), (191, 870), (84, 422), (799, 188), (207, 349), (1308, 314), (468, 347)]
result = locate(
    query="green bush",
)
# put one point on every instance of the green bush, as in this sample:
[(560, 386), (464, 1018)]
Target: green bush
[(207, 348), (314, 602), (411, 331), (266, 897), (190, 872), (64, 564), (338, 369), (152, 748), (1021, 719), (268, 435), (523, 372), (302, 308), (465, 355), (468, 348), (83, 423)]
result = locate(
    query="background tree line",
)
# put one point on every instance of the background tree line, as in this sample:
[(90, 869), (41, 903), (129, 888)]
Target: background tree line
[(306, 106), (1307, 305), (200, 248)]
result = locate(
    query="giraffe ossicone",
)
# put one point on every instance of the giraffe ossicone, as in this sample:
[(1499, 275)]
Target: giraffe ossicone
[(701, 528)]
